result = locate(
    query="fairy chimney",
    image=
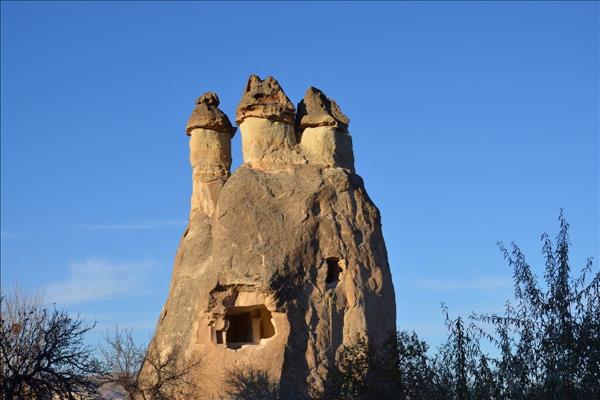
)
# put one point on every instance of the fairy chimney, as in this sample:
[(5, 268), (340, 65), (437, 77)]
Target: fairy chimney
[(283, 261), (210, 151), (266, 119), (323, 129)]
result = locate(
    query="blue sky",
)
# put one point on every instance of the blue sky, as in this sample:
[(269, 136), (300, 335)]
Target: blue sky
[(472, 123)]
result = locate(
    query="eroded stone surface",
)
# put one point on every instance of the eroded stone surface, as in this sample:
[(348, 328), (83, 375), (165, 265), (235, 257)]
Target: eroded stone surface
[(265, 99), (316, 109), (210, 157), (207, 115), (269, 144), (327, 146), (300, 245)]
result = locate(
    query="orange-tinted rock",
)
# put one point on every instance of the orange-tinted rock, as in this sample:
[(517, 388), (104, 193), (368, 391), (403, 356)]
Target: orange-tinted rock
[(265, 99), (316, 109), (282, 262), (207, 115)]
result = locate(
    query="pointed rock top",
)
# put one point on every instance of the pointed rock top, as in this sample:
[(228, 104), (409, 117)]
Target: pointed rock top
[(207, 115), (316, 109), (209, 98), (265, 99)]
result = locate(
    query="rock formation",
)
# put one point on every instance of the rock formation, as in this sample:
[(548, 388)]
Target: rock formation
[(324, 131), (266, 119), (210, 151), (282, 261)]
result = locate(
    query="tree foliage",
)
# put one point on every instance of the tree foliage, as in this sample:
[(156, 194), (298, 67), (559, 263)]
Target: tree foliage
[(547, 342), (550, 338)]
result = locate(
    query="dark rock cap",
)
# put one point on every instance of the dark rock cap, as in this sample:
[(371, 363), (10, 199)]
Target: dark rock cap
[(316, 109), (207, 115), (265, 99)]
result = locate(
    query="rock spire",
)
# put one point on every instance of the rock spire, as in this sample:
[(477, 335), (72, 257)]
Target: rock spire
[(266, 119), (283, 261), (210, 152), (322, 129)]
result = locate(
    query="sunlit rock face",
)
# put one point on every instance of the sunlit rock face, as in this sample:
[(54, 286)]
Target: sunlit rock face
[(283, 260), (210, 134)]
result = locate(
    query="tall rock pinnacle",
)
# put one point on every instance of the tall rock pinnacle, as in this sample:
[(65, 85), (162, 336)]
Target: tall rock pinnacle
[(322, 129), (266, 119), (283, 261), (210, 151)]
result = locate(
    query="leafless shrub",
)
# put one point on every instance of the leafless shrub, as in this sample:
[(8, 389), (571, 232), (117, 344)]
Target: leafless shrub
[(165, 375), (123, 360), (43, 352)]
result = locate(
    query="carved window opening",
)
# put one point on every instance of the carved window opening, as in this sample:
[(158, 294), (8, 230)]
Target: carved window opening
[(247, 325), (334, 269)]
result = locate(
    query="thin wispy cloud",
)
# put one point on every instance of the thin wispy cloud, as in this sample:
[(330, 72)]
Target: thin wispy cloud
[(479, 283), (143, 225), (100, 279)]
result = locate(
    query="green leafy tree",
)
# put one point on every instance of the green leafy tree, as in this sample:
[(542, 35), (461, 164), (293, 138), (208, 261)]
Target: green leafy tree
[(550, 341), (417, 376), (457, 365)]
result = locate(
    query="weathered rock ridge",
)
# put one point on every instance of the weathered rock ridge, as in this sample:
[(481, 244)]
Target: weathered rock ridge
[(282, 261)]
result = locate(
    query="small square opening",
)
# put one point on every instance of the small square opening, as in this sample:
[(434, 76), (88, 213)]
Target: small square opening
[(247, 325)]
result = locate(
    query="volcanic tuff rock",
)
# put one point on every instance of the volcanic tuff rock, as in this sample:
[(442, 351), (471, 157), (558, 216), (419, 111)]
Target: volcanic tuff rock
[(207, 115), (322, 129), (210, 151), (282, 262), (265, 99), (316, 109)]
